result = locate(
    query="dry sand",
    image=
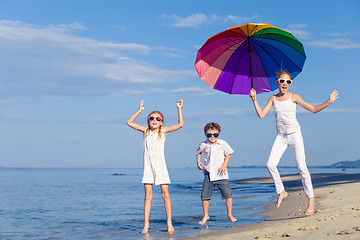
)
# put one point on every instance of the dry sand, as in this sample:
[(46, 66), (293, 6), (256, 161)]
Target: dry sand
[(337, 212)]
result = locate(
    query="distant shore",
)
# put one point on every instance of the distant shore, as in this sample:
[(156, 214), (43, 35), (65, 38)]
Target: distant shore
[(337, 211)]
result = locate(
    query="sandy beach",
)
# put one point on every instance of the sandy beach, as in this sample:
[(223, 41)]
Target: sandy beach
[(337, 211)]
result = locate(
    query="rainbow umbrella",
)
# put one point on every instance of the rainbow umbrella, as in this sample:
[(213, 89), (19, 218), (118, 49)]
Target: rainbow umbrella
[(249, 56)]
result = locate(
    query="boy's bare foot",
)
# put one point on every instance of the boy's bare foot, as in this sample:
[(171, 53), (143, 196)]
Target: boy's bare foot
[(311, 207), (145, 229), (232, 219), (203, 221), (281, 196)]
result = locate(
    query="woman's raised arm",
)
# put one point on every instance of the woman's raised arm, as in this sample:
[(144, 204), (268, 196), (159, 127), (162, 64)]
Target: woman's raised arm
[(261, 112), (314, 109)]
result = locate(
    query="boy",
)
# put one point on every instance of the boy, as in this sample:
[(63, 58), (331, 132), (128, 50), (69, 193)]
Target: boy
[(217, 154)]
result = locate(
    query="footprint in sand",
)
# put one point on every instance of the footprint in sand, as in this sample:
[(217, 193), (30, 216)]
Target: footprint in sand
[(342, 232)]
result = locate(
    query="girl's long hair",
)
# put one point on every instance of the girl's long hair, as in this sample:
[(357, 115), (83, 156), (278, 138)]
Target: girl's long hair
[(160, 133)]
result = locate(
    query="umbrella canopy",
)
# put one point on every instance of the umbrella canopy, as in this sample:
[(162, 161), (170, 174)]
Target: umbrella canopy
[(249, 56)]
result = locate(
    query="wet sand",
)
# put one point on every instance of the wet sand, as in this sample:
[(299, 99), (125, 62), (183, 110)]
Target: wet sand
[(337, 211)]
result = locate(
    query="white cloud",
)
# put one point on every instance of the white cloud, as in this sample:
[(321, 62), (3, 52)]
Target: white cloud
[(345, 34), (298, 30), (72, 139), (342, 110), (298, 25), (194, 90), (240, 19), (199, 19), (198, 91), (173, 55), (128, 71), (50, 60), (11, 116), (249, 112), (331, 111), (189, 115), (338, 43), (191, 21), (216, 112), (16, 100)]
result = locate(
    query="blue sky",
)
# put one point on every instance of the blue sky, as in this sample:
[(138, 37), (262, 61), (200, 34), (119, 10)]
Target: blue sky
[(73, 72)]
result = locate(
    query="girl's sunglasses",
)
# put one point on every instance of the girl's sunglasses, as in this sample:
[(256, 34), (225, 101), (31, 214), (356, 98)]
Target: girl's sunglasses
[(209, 135), (288, 81), (159, 119)]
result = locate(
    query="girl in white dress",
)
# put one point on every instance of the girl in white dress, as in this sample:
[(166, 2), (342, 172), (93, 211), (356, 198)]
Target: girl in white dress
[(289, 134), (155, 170)]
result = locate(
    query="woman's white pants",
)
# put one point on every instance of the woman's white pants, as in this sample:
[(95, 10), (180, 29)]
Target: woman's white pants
[(282, 141)]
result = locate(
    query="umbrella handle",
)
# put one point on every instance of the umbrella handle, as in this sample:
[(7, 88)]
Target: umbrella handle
[(253, 97)]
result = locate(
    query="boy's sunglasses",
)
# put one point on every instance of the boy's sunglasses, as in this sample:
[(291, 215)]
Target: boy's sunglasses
[(159, 119), (288, 81), (209, 135)]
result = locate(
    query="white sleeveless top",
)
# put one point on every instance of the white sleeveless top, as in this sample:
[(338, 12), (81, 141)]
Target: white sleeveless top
[(285, 114)]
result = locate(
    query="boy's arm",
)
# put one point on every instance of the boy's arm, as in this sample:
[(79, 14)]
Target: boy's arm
[(223, 168), (198, 163)]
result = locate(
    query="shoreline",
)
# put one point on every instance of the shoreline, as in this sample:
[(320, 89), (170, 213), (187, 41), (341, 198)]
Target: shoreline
[(337, 207)]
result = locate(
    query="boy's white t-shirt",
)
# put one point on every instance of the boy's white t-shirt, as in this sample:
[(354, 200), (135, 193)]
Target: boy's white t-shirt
[(214, 156)]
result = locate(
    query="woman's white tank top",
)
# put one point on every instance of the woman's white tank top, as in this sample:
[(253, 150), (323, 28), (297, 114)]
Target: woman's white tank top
[(285, 114)]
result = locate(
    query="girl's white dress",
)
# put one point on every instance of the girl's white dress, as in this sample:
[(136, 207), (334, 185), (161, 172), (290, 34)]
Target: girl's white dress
[(155, 170)]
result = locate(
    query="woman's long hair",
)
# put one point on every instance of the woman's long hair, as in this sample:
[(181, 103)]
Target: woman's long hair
[(160, 133), (283, 71)]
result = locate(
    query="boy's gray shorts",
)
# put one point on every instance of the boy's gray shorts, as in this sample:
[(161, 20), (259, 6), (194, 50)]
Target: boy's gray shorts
[(208, 188)]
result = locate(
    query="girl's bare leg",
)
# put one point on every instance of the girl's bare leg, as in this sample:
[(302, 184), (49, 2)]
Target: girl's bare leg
[(229, 210), (205, 204), (147, 206), (167, 203)]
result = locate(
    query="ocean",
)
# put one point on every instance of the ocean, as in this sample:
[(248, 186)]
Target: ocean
[(55, 203)]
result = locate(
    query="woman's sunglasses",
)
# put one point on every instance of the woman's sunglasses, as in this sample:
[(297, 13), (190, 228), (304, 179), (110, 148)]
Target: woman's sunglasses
[(159, 119), (288, 81), (209, 135)]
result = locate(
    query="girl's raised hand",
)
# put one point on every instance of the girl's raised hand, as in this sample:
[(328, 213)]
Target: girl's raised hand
[(179, 103), (142, 106), (333, 96)]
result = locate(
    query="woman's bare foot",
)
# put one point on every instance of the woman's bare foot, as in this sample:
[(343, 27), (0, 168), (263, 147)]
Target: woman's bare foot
[(203, 221), (145, 229), (311, 207), (281, 196), (232, 219)]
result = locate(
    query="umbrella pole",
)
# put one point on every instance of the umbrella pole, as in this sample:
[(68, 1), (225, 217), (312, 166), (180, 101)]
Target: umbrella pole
[(251, 75)]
